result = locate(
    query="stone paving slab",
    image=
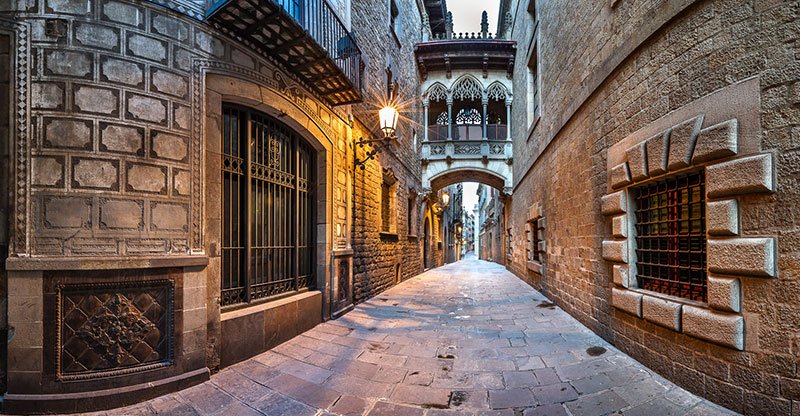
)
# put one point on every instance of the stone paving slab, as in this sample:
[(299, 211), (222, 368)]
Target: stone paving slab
[(464, 339)]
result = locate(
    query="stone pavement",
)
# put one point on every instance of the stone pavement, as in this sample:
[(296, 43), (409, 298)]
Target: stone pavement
[(465, 339)]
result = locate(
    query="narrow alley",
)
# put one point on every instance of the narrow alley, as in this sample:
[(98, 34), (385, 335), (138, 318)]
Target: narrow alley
[(466, 338)]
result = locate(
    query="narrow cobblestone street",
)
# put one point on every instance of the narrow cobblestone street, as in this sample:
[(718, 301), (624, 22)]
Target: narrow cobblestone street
[(467, 338)]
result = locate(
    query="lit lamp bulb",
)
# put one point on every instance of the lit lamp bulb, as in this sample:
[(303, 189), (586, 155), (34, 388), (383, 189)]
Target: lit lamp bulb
[(388, 117), (445, 198)]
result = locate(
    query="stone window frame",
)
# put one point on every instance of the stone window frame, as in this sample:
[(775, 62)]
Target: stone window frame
[(388, 225), (733, 167), (395, 24), (535, 231), (509, 245), (412, 215)]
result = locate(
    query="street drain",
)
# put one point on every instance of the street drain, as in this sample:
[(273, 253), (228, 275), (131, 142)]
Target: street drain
[(546, 304), (447, 356), (595, 351), (457, 398)]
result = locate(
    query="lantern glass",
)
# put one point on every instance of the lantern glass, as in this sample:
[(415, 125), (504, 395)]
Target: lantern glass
[(445, 198), (388, 118)]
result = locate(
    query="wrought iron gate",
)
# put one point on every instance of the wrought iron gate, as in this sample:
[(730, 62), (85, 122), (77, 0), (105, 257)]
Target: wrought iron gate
[(267, 208)]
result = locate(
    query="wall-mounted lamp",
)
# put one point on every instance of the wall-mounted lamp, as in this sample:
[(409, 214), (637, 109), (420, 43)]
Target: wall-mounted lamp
[(445, 198), (388, 121)]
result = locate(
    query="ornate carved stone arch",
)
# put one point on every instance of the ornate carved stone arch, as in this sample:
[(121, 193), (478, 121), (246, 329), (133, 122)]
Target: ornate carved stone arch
[(437, 92), (467, 88), (498, 92)]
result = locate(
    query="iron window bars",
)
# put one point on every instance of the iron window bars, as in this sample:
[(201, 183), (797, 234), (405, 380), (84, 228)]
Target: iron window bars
[(267, 208), (671, 236)]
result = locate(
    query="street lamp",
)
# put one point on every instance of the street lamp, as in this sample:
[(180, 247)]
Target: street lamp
[(445, 198), (387, 116)]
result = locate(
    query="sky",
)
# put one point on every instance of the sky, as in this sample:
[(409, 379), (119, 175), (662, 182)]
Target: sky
[(467, 14), (467, 18)]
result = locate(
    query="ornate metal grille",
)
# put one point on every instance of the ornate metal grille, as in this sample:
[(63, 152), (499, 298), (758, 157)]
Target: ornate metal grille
[(267, 208), (671, 236)]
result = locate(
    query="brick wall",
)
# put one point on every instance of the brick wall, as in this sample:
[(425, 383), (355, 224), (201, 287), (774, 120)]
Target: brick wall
[(708, 45)]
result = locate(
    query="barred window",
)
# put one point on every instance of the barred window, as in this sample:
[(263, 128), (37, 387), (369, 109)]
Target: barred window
[(267, 208), (671, 236), (533, 241)]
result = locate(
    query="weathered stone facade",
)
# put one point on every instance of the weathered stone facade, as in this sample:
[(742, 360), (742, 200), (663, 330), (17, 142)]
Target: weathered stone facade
[(117, 148), (638, 76)]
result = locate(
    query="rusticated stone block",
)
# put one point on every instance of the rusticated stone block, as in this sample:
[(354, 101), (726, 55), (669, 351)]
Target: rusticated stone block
[(662, 312), (69, 63), (48, 171), (615, 203), (170, 83), (616, 251), (121, 214), (121, 139), (147, 109), (49, 96), (182, 117), (724, 293), (95, 174), (657, 148), (722, 217), (619, 226), (97, 36), (209, 44), (637, 161), (620, 176), (742, 256), (123, 72), (78, 7), (627, 300), (182, 182), (147, 48), (169, 146), (719, 328), (169, 26), (123, 13), (741, 176), (73, 134), (67, 212), (621, 275), (682, 140), (147, 178), (717, 141), (169, 217), (97, 100)]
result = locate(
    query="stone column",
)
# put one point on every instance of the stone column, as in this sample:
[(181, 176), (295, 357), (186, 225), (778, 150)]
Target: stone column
[(508, 119), (485, 102), (426, 106), (449, 118)]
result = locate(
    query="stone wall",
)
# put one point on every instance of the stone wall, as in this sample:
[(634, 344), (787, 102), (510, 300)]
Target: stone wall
[(623, 82), (380, 257)]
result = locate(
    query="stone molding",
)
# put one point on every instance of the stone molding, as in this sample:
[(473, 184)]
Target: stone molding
[(734, 166), (20, 243)]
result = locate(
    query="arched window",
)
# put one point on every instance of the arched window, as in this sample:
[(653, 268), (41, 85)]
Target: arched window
[(469, 116)]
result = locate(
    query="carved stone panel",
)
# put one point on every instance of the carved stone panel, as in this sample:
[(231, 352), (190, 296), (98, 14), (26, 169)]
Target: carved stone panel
[(114, 329)]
